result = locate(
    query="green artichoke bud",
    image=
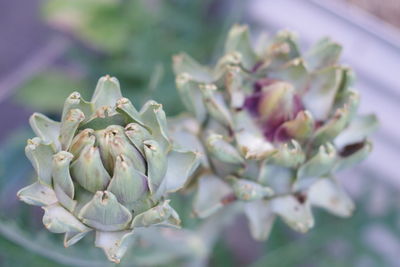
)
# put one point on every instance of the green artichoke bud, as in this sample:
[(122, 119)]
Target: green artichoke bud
[(106, 167), (275, 125)]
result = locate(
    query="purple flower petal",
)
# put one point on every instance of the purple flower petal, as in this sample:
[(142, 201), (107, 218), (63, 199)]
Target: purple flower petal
[(284, 108)]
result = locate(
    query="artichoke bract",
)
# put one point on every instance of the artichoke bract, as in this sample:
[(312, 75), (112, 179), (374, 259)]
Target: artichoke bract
[(274, 126), (106, 167)]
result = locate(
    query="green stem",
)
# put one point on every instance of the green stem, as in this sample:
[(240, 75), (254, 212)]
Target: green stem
[(15, 236)]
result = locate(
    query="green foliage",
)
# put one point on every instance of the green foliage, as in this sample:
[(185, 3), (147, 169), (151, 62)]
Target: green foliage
[(99, 22), (134, 41), (222, 256), (48, 90), (9, 252)]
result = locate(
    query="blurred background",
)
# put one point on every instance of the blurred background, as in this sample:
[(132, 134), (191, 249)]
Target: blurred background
[(50, 48)]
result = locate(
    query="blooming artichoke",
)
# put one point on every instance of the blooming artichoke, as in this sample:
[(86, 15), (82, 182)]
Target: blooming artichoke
[(105, 167), (274, 125)]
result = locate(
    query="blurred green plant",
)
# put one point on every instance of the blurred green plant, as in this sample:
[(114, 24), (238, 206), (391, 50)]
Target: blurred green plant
[(132, 40), (46, 90)]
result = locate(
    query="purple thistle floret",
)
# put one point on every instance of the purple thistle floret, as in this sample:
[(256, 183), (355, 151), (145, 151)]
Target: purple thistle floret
[(271, 125)]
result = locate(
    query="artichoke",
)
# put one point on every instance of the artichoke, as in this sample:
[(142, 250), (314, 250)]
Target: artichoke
[(106, 167), (273, 125)]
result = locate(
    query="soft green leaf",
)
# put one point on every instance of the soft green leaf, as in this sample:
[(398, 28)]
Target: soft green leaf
[(212, 193), (294, 212), (125, 107), (154, 117), (320, 96), (107, 92), (190, 93), (127, 184), (58, 220), (71, 238), (183, 63), (114, 244), (62, 181), (162, 215), (156, 164), (353, 154), (327, 194), (248, 190), (288, 155), (320, 164), (260, 217), (81, 140), (105, 213), (137, 134), (47, 129), (180, 166), (323, 54), (37, 194), (40, 155), (69, 126), (359, 128), (75, 101), (223, 150), (88, 170), (215, 104), (238, 40)]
